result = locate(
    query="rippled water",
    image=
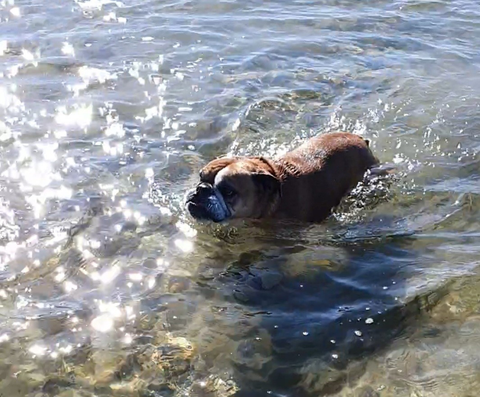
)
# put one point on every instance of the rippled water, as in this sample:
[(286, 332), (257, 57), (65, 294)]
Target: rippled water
[(108, 109)]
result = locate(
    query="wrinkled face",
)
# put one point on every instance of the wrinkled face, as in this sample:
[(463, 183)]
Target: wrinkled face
[(233, 188)]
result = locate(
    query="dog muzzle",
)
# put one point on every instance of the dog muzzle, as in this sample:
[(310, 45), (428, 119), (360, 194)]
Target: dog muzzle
[(207, 203)]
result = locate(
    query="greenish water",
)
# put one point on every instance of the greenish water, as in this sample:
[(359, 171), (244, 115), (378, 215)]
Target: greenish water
[(108, 109)]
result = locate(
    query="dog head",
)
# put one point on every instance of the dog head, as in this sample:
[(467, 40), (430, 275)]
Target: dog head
[(239, 187)]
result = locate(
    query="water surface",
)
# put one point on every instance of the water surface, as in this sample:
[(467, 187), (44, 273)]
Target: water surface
[(108, 109)]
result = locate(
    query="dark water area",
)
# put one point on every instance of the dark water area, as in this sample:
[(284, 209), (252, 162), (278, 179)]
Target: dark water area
[(108, 109)]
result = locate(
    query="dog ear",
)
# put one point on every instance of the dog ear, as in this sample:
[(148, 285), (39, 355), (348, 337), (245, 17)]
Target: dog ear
[(208, 173), (268, 183)]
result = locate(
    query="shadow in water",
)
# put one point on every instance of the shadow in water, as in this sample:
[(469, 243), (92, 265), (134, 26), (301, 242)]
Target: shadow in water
[(309, 314)]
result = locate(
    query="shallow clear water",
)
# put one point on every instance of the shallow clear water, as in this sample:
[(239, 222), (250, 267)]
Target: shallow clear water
[(108, 109)]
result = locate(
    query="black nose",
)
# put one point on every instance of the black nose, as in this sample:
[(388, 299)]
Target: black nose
[(203, 188)]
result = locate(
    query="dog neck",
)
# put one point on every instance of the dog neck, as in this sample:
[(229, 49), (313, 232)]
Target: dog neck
[(285, 169), (282, 170)]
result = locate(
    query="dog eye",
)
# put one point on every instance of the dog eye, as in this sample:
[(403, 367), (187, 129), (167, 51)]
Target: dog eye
[(227, 192)]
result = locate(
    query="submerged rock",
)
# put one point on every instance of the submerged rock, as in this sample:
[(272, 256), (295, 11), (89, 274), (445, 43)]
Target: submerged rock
[(214, 387)]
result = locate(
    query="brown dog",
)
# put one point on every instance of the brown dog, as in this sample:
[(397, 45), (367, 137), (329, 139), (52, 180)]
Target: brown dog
[(304, 184)]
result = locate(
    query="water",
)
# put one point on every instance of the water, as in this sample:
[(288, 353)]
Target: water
[(108, 109)]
